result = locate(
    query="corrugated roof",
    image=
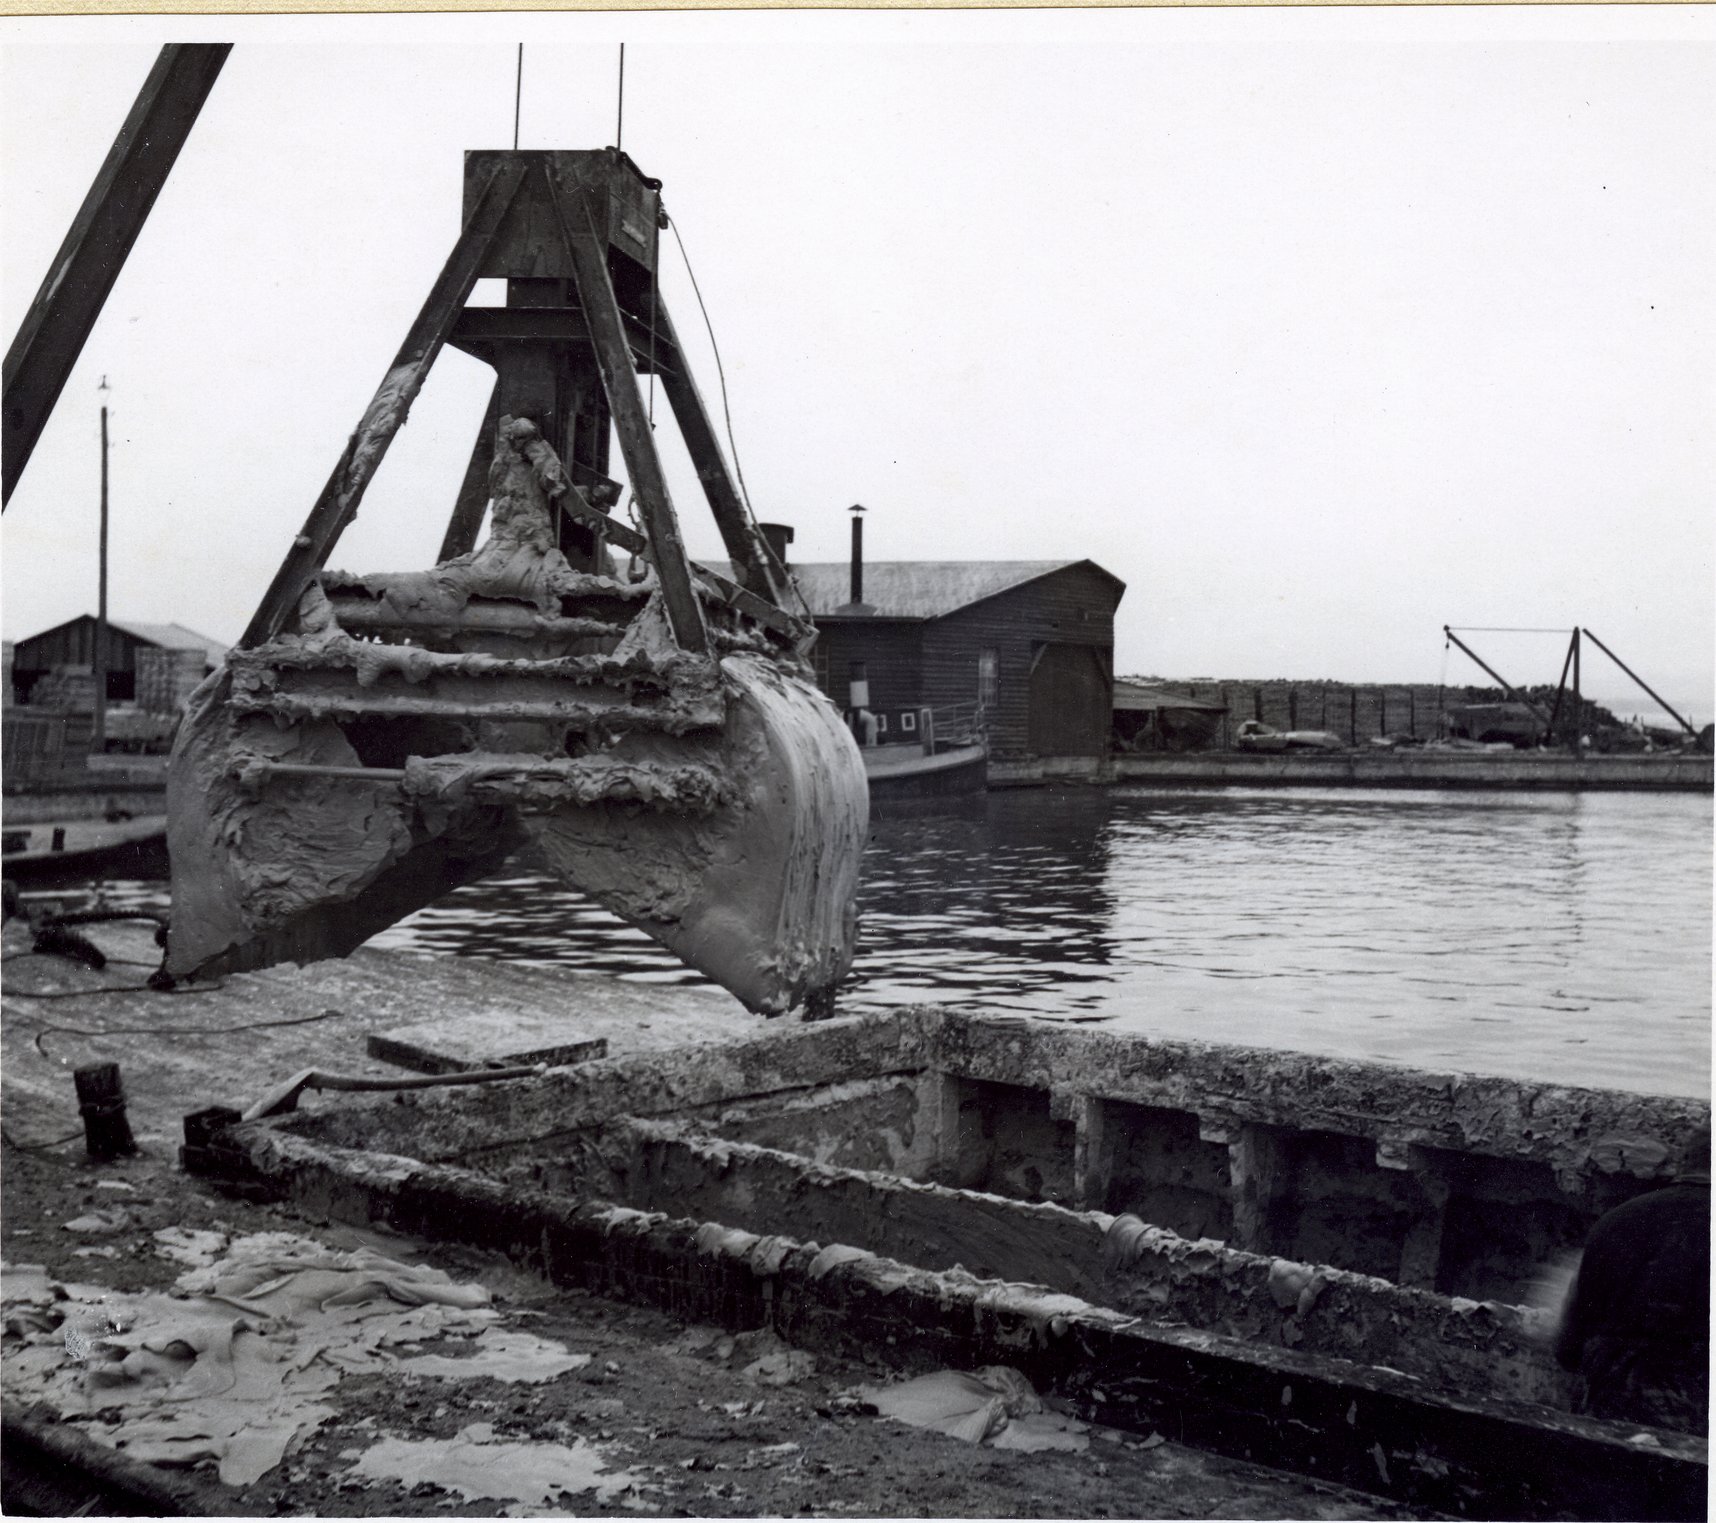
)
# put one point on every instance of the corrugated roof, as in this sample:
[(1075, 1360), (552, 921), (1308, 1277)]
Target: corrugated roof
[(173, 637), (916, 589)]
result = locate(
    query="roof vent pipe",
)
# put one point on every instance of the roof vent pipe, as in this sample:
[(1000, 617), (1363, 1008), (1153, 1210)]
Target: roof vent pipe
[(857, 510), (779, 536)]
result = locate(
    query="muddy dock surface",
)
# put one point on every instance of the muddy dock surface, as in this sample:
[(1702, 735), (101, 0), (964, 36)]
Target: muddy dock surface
[(642, 1414)]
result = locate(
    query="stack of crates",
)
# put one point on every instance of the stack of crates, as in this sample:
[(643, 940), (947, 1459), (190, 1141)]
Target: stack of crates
[(66, 690), (167, 678)]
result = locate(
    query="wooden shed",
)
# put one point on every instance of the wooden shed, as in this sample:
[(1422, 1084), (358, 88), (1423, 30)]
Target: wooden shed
[(72, 644), (1151, 717), (1030, 641)]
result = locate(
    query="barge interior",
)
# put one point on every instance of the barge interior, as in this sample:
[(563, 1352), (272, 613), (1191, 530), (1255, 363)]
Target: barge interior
[(1315, 1264)]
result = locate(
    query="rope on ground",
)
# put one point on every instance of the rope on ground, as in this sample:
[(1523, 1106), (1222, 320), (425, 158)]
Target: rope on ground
[(37, 1147), (296, 1020), (110, 989)]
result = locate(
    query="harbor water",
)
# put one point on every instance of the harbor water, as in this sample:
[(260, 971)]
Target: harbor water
[(1550, 937)]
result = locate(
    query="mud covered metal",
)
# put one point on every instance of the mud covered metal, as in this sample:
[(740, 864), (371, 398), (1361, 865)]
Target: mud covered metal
[(647, 728)]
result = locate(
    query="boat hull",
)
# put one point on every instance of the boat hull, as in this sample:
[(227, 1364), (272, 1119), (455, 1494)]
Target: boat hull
[(955, 773)]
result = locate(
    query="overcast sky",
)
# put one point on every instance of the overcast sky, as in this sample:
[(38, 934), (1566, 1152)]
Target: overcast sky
[(1319, 331)]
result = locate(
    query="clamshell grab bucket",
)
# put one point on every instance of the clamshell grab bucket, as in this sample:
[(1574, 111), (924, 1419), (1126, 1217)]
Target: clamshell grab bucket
[(408, 733), (736, 846), (652, 734)]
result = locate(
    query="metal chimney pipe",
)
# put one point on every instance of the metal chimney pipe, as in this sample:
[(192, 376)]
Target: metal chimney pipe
[(857, 510), (778, 536)]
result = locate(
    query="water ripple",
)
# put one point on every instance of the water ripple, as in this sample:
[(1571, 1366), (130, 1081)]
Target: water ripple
[(1560, 937)]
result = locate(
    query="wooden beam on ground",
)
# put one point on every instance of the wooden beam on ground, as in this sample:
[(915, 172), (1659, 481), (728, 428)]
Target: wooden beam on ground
[(71, 296), (338, 504)]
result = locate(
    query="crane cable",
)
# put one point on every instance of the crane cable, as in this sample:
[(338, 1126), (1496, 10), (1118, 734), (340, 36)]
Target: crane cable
[(726, 408), (1441, 684)]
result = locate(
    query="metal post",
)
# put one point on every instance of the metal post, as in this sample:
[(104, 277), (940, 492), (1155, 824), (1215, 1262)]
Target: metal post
[(99, 743), (101, 1100), (1561, 685), (1578, 701)]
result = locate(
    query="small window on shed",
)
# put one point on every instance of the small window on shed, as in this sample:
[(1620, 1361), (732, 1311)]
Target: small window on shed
[(881, 724), (909, 722), (988, 677)]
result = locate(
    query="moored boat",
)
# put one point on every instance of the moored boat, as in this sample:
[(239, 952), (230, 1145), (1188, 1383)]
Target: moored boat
[(948, 759), (58, 852), (910, 772)]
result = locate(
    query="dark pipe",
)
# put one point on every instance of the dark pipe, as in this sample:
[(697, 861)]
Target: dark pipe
[(1560, 691), (857, 553), (779, 536)]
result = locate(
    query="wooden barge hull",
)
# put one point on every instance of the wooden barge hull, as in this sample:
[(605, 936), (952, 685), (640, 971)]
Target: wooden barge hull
[(1312, 1264)]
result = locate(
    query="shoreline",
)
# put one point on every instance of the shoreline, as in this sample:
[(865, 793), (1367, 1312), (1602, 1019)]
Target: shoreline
[(1675, 773)]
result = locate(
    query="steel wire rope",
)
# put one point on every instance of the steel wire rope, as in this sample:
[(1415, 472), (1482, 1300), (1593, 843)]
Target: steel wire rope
[(108, 989), (1441, 687), (38, 1147), (620, 108), (296, 1020), (726, 408)]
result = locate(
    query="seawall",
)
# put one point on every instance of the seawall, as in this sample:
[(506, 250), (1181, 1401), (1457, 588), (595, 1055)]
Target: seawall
[(1420, 769)]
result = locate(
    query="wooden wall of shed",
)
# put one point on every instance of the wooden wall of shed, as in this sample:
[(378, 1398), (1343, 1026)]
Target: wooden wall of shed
[(890, 651), (73, 644), (1073, 606)]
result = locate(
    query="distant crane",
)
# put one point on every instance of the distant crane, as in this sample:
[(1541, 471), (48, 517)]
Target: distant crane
[(1571, 666)]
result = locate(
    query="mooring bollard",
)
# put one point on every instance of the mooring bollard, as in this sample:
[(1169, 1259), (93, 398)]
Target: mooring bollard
[(101, 1102)]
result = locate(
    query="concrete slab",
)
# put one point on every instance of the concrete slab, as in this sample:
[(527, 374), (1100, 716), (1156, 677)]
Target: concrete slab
[(229, 1042), (484, 1039)]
